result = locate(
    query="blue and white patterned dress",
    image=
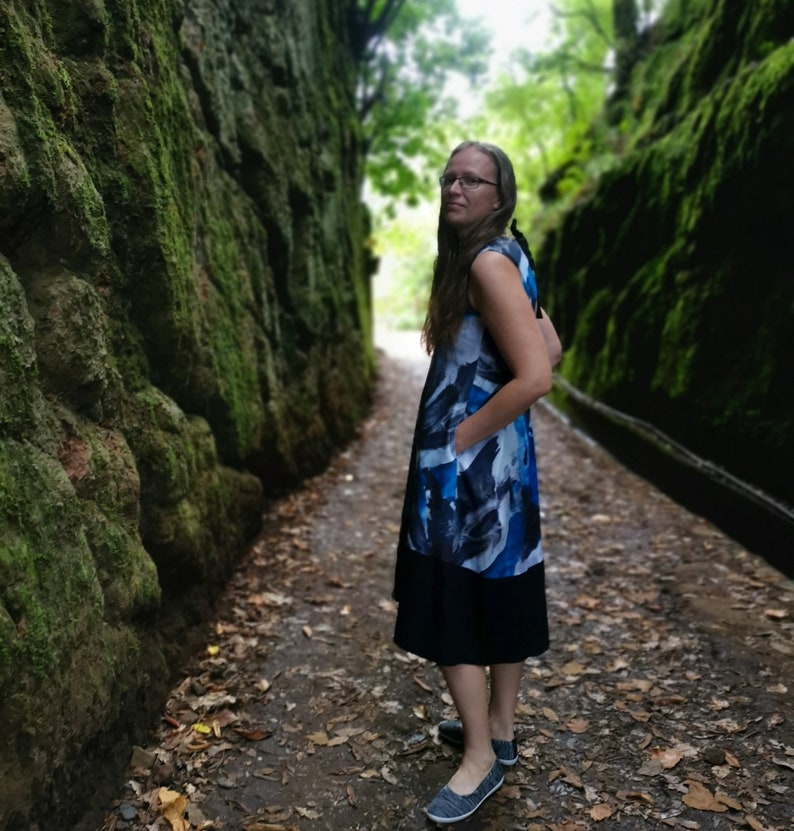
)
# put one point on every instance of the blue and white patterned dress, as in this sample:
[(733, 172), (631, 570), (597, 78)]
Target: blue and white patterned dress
[(469, 578)]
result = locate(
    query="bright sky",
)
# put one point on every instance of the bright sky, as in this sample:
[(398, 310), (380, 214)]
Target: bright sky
[(513, 23)]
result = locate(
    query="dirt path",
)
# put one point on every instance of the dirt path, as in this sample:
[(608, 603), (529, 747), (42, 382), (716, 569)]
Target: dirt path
[(665, 700)]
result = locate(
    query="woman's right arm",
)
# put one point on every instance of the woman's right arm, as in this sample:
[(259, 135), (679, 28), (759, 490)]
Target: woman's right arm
[(496, 291)]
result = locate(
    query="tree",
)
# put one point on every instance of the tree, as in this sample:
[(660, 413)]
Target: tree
[(544, 109), (407, 50), (561, 110), (547, 111)]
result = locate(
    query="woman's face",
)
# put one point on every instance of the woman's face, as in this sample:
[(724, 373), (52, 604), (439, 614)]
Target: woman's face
[(463, 208)]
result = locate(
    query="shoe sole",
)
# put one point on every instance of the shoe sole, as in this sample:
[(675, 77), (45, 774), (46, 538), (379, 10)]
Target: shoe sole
[(508, 763)]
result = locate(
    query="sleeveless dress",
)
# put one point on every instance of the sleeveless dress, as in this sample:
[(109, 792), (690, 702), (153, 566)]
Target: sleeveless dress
[(469, 577)]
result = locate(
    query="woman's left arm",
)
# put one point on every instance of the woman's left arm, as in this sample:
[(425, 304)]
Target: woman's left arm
[(552, 339), (496, 291)]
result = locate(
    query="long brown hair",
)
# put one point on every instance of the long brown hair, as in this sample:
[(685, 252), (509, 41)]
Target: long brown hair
[(449, 293)]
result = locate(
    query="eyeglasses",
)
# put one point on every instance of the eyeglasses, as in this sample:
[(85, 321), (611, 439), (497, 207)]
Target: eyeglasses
[(466, 182)]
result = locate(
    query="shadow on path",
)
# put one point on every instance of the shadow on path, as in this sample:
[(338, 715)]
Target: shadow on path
[(664, 701)]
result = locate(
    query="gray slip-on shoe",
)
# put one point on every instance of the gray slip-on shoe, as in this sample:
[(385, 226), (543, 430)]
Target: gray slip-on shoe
[(448, 806), (452, 733)]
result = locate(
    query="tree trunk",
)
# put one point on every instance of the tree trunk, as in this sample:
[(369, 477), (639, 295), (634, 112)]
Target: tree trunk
[(625, 17)]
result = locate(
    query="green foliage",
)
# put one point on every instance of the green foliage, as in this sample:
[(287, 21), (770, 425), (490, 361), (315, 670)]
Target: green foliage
[(406, 249), (545, 113), (402, 90)]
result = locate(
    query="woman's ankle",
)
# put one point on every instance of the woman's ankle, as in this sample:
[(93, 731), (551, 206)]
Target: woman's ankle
[(502, 730)]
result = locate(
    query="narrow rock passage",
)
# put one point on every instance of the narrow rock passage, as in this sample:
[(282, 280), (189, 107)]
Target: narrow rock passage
[(664, 701)]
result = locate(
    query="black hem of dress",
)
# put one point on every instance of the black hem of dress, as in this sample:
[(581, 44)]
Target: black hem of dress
[(452, 615)]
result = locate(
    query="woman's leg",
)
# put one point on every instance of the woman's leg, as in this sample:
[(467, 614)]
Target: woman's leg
[(505, 685), (468, 687)]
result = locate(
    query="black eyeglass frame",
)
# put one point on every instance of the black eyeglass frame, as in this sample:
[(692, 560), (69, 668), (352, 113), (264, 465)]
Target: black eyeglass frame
[(447, 181)]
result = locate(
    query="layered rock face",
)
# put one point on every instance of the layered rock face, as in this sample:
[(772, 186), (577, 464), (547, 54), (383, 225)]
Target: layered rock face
[(184, 330), (671, 279)]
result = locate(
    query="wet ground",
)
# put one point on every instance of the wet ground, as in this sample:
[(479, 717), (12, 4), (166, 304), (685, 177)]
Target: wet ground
[(665, 700)]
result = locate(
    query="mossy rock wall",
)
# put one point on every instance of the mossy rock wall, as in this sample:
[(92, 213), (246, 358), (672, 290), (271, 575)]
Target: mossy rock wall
[(671, 280), (184, 331)]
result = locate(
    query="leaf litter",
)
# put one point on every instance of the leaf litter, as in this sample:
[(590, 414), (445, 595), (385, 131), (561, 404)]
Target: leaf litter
[(664, 701)]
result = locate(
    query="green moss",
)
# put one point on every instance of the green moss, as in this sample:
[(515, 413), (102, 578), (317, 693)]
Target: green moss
[(43, 104), (159, 437), (681, 316), (186, 301), (51, 599), (19, 395), (679, 344), (228, 299)]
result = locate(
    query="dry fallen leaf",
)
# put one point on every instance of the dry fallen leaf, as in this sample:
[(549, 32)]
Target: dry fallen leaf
[(722, 797), (272, 599), (577, 725), (667, 758), (729, 726), (388, 776), (784, 763), (732, 760), (640, 684), (331, 723), (601, 811), (635, 796), (172, 807), (701, 798), (424, 685), (775, 720), (567, 776), (337, 740), (253, 735)]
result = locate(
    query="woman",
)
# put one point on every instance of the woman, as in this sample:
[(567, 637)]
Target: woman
[(469, 578)]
